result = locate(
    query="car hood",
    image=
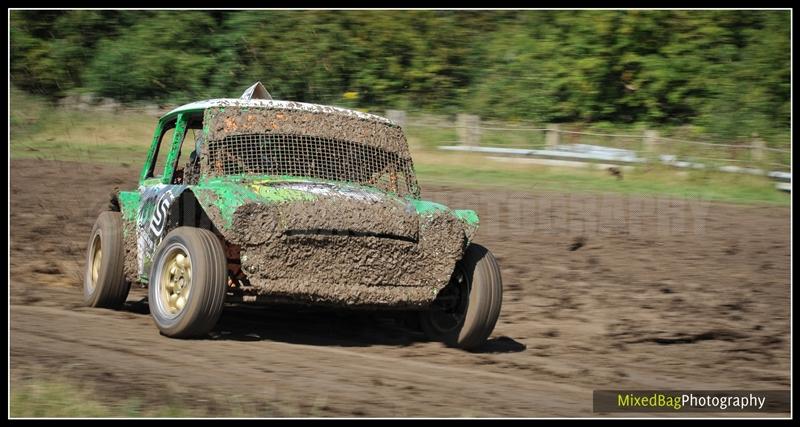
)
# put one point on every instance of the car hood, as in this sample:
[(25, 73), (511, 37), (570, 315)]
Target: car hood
[(311, 206)]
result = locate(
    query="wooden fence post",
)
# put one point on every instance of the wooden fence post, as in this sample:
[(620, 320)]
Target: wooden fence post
[(468, 127), (552, 136), (758, 148), (397, 116), (650, 141)]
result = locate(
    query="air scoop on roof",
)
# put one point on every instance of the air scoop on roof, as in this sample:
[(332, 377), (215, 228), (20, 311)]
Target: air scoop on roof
[(256, 91)]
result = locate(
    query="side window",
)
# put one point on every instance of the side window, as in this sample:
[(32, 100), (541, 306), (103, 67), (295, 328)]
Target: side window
[(163, 150), (187, 147), (192, 128), (187, 168), (191, 138)]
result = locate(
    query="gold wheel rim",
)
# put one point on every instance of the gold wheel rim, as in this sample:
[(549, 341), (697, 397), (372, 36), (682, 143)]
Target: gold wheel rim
[(97, 259), (175, 282)]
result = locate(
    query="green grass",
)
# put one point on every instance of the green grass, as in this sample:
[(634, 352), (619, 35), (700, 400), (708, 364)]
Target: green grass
[(56, 396), (61, 399), (715, 186), (40, 130), (43, 131)]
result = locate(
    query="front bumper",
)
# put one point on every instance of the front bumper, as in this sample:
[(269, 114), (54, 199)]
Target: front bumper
[(343, 267)]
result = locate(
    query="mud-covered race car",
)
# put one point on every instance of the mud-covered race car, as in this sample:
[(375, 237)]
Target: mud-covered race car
[(254, 199)]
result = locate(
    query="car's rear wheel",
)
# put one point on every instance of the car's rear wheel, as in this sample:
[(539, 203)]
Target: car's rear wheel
[(465, 312), (104, 283), (187, 283)]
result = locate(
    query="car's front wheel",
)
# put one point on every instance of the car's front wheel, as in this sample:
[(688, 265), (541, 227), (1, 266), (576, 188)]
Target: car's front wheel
[(104, 283), (465, 312), (187, 283)]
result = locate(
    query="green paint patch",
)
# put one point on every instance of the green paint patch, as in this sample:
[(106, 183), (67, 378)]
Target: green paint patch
[(468, 216), (272, 194), (227, 194), (427, 207), (129, 203)]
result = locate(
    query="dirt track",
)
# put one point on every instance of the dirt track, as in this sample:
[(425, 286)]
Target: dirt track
[(600, 292)]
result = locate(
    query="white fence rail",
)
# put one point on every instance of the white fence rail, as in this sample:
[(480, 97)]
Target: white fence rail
[(557, 143), (553, 141)]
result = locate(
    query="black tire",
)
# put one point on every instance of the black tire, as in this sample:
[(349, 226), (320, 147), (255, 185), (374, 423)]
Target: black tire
[(478, 299), (206, 295), (104, 283)]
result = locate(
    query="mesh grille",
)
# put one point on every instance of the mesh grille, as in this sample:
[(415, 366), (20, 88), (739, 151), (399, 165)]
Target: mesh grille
[(313, 157)]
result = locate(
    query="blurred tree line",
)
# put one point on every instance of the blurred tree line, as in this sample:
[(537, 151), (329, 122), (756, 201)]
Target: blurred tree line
[(726, 72)]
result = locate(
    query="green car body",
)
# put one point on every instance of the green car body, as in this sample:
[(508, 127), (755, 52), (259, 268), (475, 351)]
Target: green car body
[(299, 237)]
